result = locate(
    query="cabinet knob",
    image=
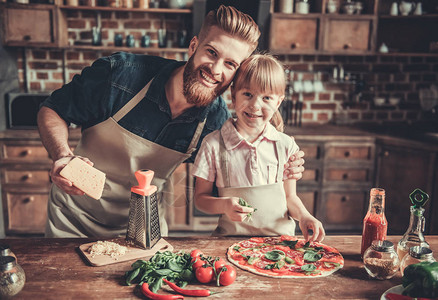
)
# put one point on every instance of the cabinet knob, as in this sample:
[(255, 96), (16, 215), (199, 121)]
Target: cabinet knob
[(345, 176), (29, 199), (295, 45), (344, 198), (347, 153), (347, 46), (27, 37), (27, 176), (26, 152)]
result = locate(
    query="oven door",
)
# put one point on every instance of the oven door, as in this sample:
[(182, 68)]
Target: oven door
[(22, 109)]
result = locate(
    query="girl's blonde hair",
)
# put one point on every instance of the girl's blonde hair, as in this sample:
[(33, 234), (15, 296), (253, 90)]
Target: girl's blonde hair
[(265, 72), (233, 22)]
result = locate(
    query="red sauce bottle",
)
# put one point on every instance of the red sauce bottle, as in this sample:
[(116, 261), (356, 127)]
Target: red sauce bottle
[(375, 225)]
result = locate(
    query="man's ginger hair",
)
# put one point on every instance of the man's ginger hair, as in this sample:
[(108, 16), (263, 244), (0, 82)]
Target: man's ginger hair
[(233, 22)]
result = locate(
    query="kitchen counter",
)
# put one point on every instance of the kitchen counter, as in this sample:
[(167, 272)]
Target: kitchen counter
[(55, 270)]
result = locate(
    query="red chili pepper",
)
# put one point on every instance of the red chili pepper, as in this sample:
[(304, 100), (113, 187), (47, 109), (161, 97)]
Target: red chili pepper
[(194, 293), (151, 295), (392, 296)]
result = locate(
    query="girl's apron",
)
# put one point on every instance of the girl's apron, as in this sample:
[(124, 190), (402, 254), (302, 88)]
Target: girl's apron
[(118, 153), (271, 217)]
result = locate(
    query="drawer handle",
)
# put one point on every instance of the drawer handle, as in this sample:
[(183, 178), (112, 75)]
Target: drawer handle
[(29, 199), (27, 37), (26, 177), (26, 152), (386, 153), (347, 153), (345, 176), (295, 45), (344, 199), (347, 46)]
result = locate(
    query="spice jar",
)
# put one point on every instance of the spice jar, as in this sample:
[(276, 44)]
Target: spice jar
[(12, 277), (416, 254), (380, 260), (6, 251)]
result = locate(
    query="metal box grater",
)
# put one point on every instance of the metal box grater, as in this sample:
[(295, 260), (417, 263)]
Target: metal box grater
[(144, 220)]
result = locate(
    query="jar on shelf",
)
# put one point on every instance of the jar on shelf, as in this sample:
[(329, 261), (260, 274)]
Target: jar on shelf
[(5, 250), (416, 255), (380, 260), (12, 277)]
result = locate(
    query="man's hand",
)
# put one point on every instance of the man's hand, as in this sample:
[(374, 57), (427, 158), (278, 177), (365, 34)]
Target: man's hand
[(65, 184), (294, 169)]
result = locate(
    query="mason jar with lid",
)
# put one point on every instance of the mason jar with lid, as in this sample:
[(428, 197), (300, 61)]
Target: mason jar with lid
[(416, 254), (380, 260), (12, 277)]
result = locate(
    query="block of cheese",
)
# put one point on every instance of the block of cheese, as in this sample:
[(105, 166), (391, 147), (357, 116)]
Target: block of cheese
[(85, 177)]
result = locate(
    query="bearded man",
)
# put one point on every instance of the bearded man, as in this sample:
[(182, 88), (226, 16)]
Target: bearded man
[(140, 112)]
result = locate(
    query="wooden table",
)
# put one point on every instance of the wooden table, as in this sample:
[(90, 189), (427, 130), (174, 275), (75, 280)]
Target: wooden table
[(55, 270)]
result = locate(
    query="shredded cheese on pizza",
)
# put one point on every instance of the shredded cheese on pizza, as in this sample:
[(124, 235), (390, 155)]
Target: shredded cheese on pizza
[(107, 248)]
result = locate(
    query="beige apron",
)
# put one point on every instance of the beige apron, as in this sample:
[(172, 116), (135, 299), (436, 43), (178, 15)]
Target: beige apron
[(118, 153), (271, 217)]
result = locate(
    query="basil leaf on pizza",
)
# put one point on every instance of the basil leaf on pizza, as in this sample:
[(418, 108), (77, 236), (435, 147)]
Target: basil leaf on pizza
[(311, 255), (285, 257)]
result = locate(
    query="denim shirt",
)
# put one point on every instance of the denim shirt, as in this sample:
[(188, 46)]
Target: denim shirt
[(110, 82)]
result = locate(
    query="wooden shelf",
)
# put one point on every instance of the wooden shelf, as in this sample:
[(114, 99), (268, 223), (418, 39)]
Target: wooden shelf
[(147, 10), (126, 49), (413, 17)]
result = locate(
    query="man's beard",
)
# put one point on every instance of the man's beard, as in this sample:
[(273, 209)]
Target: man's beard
[(195, 92)]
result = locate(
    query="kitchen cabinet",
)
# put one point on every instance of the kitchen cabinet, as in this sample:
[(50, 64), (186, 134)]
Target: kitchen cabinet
[(411, 33), (285, 40), (25, 180), (53, 32), (401, 168), (320, 32), (19, 25)]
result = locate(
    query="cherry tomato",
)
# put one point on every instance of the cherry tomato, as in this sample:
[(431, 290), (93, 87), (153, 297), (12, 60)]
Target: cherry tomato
[(197, 262), (218, 264), (204, 274), (228, 275), (196, 253)]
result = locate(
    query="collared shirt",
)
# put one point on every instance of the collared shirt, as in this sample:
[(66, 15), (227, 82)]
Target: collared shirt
[(250, 164), (103, 88)]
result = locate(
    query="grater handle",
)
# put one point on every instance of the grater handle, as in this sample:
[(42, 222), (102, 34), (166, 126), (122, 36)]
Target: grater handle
[(144, 187)]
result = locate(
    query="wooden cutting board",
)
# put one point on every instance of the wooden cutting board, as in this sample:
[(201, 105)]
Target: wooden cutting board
[(131, 254)]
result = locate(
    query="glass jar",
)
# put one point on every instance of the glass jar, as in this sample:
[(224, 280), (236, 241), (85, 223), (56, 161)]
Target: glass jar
[(414, 234), (12, 277), (416, 254), (6, 251), (380, 260)]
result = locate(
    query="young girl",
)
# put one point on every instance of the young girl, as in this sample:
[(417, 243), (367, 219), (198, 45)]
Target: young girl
[(245, 159)]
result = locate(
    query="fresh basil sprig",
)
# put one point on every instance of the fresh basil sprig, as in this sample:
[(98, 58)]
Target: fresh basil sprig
[(172, 266), (248, 217)]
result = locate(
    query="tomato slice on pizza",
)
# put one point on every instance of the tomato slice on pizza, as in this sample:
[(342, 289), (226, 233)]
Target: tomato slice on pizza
[(285, 257)]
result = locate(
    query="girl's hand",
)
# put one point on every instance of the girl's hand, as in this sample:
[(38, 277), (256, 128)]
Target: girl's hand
[(294, 169), (310, 222), (236, 212)]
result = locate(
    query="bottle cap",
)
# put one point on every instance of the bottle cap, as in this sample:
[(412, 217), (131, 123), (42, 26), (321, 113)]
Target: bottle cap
[(4, 250), (382, 246), (377, 191), (7, 263), (420, 252)]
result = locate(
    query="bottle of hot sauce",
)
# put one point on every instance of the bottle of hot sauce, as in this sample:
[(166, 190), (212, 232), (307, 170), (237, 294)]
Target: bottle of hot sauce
[(375, 225)]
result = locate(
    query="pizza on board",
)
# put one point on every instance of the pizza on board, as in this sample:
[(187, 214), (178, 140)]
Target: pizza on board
[(285, 257)]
